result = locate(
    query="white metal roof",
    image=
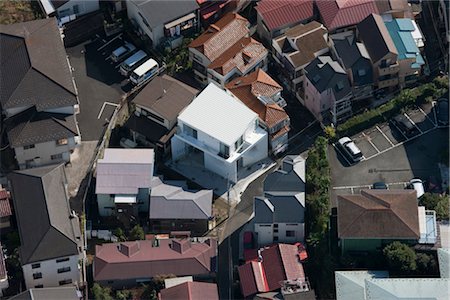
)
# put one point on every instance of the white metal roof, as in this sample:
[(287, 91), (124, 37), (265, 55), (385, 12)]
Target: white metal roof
[(145, 67), (218, 114), (407, 288), (125, 199), (350, 285), (126, 156)]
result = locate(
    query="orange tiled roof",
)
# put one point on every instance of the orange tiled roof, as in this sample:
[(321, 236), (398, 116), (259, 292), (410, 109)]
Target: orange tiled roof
[(222, 35), (242, 55)]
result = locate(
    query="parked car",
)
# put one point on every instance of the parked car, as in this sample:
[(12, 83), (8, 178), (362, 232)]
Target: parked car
[(379, 186), (132, 62), (417, 184), (404, 125), (144, 72), (350, 149), (127, 143), (122, 52), (442, 111)]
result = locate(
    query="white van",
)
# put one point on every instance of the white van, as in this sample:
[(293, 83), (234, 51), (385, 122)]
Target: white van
[(144, 72), (122, 52), (132, 62)]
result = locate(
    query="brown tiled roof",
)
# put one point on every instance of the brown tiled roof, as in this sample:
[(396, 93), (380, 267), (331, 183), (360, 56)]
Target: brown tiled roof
[(5, 206), (308, 40), (258, 83), (378, 214), (280, 132), (221, 36), (190, 291), (278, 13), (233, 57), (142, 259)]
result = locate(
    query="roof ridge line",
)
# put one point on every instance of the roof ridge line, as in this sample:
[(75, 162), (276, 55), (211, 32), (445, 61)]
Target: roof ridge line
[(55, 82)]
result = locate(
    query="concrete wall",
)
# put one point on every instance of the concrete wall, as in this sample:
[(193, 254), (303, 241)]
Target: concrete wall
[(257, 153), (50, 276), (84, 7), (221, 167)]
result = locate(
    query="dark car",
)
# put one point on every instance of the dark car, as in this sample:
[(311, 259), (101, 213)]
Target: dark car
[(442, 111), (404, 125), (379, 186)]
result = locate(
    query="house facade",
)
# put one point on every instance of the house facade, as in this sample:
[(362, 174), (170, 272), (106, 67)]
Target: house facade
[(259, 92), (40, 103), (163, 22), (226, 51), (279, 215), (276, 17), (51, 254), (221, 133), (294, 50), (68, 9), (328, 95)]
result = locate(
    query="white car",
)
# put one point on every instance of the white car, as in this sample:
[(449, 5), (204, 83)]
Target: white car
[(417, 184), (122, 52), (126, 143), (350, 149)]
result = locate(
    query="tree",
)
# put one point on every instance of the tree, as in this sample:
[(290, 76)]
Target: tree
[(330, 132), (120, 235), (137, 233), (400, 257), (426, 264), (438, 203), (124, 295), (101, 293)]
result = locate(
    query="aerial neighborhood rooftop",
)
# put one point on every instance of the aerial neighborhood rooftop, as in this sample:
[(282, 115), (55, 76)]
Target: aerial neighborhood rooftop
[(224, 149)]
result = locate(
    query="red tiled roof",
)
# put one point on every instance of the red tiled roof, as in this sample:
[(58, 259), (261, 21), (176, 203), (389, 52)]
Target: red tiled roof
[(278, 13), (141, 259), (5, 206), (190, 291), (3, 273), (342, 13), (279, 262)]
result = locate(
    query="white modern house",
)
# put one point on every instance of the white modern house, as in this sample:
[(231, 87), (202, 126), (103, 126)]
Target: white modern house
[(219, 133)]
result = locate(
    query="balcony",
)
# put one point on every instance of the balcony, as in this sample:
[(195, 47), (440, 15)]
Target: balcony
[(384, 83), (389, 70)]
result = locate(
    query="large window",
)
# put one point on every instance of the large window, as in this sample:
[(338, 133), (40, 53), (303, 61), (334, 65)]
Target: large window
[(62, 260), (224, 151), (65, 281), (290, 233), (64, 270), (239, 142), (37, 275), (61, 142)]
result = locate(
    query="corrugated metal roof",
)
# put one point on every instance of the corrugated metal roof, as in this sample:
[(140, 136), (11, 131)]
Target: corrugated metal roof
[(278, 14)]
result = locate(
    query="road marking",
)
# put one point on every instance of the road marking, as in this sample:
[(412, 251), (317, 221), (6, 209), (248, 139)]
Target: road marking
[(415, 125), (421, 110), (370, 142), (400, 131), (103, 107), (384, 135), (107, 43)]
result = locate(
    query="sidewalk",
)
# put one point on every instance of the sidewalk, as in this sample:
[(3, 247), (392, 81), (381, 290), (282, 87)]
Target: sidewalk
[(207, 179)]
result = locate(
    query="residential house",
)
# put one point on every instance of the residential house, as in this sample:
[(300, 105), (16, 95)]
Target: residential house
[(193, 290), (328, 93), (355, 60), (67, 10), (66, 293), (174, 207), (129, 263), (409, 58), (382, 51), (276, 267), (213, 10), (157, 107), (220, 134), (163, 22), (4, 283), (262, 94), (40, 101), (225, 51), (5, 210), (276, 17), (375, 218), (342, 15), (123, 181), (357, 285), (51, 251), (294, 50), (279, 215)]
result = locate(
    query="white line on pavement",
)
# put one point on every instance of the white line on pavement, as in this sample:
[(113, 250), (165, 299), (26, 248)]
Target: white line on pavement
[(103, 107), (352, 187), (392, 144), (414, 123), (421, 110), (370, 142)]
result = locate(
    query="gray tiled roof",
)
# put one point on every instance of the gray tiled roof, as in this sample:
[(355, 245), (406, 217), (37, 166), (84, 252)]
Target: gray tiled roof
[(325, 73), (53, 293), (35, 70), (47, 229), (159, 12), (32, 127)]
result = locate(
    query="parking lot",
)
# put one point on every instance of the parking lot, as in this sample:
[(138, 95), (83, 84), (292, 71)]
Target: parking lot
[(392, 158)]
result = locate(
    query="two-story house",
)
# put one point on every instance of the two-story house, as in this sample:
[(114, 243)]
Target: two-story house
[(279, 215), (220, 133), (275, 17), (38, 95), (294, 50), (262, 94), (163, 22), (157, 107), (382, 51), (328, 93), (51, 248), (355, 59), (225, 51)]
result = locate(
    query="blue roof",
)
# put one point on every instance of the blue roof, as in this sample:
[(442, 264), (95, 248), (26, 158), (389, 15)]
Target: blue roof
[(400, 31)]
